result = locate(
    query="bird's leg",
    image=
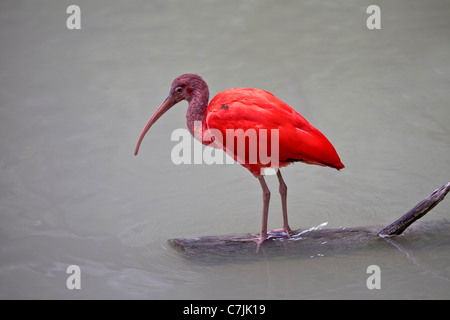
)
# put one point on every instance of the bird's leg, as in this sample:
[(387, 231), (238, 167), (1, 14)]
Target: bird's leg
[(266, 198), (283, 192), (265, 215)]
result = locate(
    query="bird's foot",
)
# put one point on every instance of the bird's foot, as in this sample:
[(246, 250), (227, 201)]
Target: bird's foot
[(258, 239), (279, 232)]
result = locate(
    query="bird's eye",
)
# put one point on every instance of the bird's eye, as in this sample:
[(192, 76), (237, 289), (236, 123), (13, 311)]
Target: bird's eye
[(179, 89)]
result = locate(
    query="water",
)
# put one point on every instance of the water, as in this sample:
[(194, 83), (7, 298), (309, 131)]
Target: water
[(73, 103)]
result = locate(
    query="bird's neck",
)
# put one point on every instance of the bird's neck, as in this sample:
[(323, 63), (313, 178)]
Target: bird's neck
[(197, 109)]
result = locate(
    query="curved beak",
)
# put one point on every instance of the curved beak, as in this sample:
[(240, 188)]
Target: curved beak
[(166, 105)]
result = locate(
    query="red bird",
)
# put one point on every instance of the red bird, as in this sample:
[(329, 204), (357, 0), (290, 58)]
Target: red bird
[(250, 113)]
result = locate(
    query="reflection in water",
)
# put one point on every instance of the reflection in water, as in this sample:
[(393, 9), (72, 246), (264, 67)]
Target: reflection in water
[(419, 256)]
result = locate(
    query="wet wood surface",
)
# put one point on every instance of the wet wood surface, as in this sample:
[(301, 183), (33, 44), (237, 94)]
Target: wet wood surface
[(317, 240)]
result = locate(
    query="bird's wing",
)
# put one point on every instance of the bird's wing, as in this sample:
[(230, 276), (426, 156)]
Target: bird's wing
[(244, 108)]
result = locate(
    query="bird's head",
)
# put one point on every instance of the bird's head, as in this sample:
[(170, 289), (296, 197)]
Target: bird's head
[(183, 87)]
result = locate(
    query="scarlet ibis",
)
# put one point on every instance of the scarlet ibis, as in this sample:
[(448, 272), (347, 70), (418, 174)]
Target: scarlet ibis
[(247, 108)]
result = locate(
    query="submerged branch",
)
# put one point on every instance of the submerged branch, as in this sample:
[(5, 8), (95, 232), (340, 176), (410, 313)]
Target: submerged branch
[(416, 213)]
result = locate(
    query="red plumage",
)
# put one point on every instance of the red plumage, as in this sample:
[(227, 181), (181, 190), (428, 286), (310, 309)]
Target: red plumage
[(247, 108)]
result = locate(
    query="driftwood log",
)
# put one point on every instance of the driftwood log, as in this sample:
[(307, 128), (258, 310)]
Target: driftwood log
[(315, 241)]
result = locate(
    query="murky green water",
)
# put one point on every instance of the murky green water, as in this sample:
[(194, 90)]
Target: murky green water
[(73, 102)]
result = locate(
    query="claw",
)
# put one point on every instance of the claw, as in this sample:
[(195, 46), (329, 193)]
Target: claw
[(258, 240)]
